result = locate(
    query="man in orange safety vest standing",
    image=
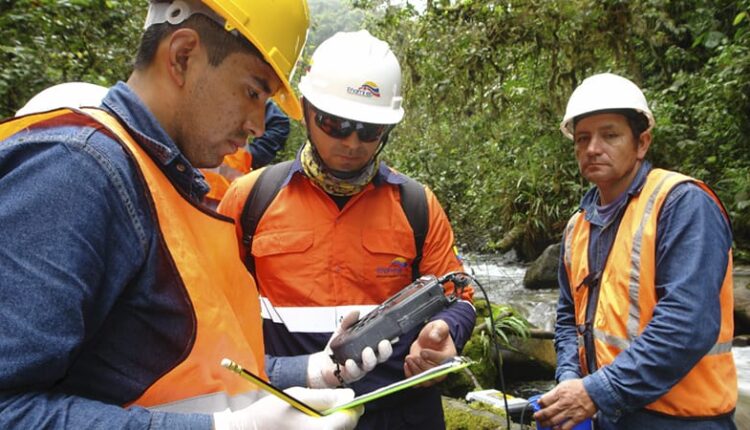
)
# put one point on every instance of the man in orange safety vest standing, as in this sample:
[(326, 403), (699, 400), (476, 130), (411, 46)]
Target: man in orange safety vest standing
[(645, 315)]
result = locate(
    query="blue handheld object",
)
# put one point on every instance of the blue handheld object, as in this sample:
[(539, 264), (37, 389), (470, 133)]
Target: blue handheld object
[(583, 425)]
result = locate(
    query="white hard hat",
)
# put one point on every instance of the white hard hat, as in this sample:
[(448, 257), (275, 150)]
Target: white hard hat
[(70, 94), (355, 76), (605, 91)]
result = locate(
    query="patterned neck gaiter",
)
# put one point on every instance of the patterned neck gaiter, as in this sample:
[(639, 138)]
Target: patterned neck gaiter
[(316, 170)]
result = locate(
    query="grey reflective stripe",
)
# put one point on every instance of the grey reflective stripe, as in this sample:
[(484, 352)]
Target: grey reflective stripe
[(634, 315), (622, 344), (720, 348), (569, 239), (309, 319), (580, 341), (611, 340)]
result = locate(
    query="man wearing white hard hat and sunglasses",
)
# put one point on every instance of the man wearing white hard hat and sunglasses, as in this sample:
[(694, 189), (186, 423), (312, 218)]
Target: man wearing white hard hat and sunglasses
[(645, 316), (337, 236)]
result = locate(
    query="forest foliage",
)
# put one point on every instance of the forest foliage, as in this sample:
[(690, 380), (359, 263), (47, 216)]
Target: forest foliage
[(485, 86)]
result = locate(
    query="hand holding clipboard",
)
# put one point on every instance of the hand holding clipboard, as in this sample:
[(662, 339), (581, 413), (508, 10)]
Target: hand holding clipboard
[(456, 364)]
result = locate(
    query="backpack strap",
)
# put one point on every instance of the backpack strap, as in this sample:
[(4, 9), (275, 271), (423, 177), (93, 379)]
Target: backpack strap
[(265, 189), (268, 185), (414, 204)]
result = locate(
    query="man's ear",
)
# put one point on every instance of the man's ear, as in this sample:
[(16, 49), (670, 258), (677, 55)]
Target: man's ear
[(304, 109), (644, 141), (182, 49)]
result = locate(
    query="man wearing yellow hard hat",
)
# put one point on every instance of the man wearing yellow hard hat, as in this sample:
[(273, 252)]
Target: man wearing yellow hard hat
[(120, 293)]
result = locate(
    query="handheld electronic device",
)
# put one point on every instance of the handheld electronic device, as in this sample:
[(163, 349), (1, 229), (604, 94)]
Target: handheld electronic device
[(400, 313)]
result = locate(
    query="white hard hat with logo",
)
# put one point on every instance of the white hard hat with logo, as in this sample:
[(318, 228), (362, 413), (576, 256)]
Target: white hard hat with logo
[(602, 92), (356, 76)]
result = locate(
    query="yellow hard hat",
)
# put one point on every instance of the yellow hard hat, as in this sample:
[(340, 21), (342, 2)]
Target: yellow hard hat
[(278, 28)]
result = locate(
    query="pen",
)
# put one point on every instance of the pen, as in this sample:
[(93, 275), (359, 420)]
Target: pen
[(236, 368)]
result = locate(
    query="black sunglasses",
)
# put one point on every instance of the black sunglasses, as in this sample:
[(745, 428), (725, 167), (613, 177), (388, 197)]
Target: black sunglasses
[(341, 128)]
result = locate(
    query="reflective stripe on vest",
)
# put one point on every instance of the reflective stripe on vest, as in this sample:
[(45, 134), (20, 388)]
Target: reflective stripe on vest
[(317, 319), (627, 300), (205, 257)]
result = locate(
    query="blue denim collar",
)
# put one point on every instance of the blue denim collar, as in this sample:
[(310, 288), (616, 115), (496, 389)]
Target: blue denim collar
[(125, 104), (590, 199)]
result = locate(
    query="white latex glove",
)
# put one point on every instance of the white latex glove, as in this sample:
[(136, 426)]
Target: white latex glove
[(321, 369), (270, 412)]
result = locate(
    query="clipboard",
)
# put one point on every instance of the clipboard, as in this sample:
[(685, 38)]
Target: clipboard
[(452, 365)]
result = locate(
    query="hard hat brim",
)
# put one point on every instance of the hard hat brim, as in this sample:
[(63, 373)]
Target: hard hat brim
[(354, 110)]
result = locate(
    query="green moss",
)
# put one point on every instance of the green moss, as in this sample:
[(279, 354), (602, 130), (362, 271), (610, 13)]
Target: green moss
[(462, 418)]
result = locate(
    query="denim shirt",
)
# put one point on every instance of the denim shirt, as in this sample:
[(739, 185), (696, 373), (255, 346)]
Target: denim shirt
[(90, 316), (265, 147), (692, 244)]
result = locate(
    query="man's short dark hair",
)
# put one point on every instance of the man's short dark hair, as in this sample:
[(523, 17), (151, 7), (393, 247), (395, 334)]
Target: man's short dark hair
[(637, 121), (219, 43)]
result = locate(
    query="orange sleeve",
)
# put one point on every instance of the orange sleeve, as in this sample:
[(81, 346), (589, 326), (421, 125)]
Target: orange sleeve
[(439, 253), (241, 160)]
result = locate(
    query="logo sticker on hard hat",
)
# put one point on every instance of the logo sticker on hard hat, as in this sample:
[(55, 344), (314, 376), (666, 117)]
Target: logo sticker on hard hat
[(368, 89)]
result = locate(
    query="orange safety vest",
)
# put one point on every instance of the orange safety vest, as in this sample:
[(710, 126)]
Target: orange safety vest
[(204, 251), (233, 166), (627, 299)]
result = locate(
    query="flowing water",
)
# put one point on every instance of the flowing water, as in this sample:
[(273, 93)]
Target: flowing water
[(502, 278)]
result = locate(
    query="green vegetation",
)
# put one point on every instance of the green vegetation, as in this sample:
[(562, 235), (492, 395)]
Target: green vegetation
[(507, 320), (466, 417), (486, 84), (47, 42), (483, 374)]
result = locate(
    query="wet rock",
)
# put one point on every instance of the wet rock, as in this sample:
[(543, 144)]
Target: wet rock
[(536, 358), (542, 273), (460, 415), (741, 300)]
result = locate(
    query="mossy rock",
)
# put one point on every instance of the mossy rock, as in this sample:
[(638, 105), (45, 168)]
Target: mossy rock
[(478, 349), (460, 415), (460, 383)]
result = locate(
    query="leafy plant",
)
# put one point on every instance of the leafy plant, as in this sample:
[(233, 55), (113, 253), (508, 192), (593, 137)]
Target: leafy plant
[(508, 322)]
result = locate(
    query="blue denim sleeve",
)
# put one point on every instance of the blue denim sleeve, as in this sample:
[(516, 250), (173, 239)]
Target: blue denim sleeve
[(285, 372), (693, 242), (566, 338), (58, 210), (265, 147)]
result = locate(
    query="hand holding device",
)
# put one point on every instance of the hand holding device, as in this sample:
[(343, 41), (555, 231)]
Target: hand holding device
[(323, 372), (408, 308), (433, 346)]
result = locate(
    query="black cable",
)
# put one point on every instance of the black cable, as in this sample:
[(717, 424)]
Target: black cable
[(456, 278), (523, 413)]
